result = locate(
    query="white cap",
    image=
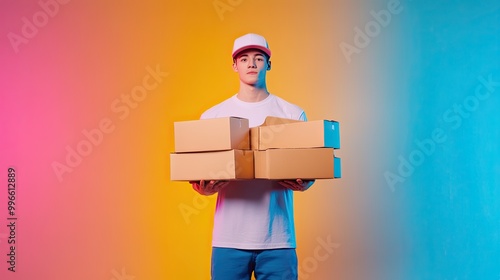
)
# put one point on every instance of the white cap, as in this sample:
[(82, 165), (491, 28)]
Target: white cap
[(250, 41)]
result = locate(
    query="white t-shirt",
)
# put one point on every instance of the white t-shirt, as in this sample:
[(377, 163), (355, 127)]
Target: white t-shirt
[(254, 214)]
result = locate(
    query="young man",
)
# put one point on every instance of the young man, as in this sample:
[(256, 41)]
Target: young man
[(253, 225)]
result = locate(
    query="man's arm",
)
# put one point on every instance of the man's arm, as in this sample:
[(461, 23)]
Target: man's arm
[(208, 187)]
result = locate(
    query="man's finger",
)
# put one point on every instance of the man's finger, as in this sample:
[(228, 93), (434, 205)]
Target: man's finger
[(283, 183), (289, 184), (220, 185)]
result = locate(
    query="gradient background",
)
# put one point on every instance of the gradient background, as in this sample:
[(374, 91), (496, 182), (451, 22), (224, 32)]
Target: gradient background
[(117, 215)]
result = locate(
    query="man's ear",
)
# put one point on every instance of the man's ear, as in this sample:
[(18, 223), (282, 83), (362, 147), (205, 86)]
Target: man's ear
[(234, 66), (269, 65)]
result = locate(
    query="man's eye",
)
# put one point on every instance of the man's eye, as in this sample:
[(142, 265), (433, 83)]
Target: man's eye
[(259, 59), (243, 60)]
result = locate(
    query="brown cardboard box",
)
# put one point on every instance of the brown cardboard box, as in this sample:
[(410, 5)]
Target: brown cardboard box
[(257, 133), (311, 134), (211, 135), (312, 163), (231, 164), (270, 120)]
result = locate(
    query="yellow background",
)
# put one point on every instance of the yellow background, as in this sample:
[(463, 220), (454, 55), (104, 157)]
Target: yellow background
[(116, 212)]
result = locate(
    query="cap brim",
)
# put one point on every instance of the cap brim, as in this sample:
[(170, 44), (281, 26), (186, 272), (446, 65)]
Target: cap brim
[(261, 48)]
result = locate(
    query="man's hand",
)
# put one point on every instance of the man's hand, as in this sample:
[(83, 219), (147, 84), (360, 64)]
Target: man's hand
[(208, 187), (297, 185)]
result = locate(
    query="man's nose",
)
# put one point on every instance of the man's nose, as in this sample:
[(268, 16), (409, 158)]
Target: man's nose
[(252, 64)]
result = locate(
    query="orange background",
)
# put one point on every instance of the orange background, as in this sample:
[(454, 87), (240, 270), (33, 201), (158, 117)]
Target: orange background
[(116, 212)]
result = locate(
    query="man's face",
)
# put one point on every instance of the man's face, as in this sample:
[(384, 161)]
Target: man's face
[(251, 66)]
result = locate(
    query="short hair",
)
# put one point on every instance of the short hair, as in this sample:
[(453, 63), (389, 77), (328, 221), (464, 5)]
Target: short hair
[(261, 52)]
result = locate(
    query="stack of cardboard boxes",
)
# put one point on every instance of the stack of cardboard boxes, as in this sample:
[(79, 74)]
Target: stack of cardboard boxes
[(226, 148)]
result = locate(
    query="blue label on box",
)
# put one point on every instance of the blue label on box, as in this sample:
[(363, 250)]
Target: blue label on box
[(332, 134)]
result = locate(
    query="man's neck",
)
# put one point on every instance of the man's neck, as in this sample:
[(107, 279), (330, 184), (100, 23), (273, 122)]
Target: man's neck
[(250, 93)]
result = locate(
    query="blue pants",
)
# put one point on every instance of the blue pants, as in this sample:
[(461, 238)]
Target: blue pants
[(271, 264)]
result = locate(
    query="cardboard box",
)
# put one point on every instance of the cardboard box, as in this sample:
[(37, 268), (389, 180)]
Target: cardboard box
[(212, 135), (231, 164), (270, 120), (310, 163), (257, 133), (311, 134)]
